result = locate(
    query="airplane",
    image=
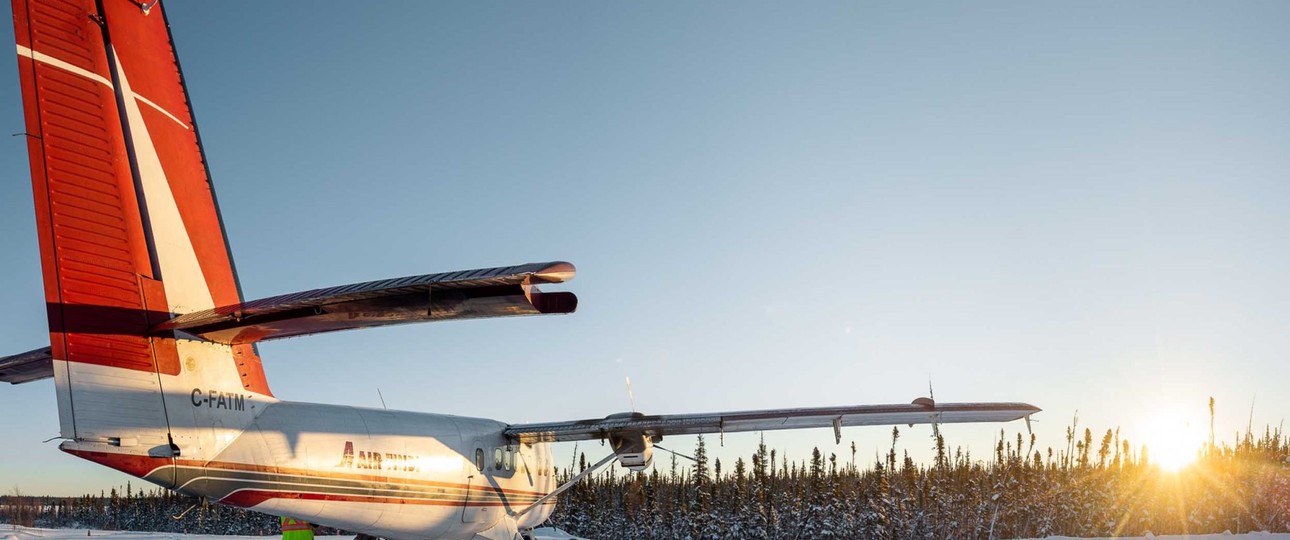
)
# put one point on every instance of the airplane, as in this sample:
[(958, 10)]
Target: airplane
[(153, 348)]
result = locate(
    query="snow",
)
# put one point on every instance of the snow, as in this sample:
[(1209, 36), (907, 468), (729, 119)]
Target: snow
[(11, 532), (1222, 536), (552, 533)]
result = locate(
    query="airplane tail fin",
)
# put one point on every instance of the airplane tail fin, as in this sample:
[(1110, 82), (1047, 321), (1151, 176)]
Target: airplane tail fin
[(130, 232)]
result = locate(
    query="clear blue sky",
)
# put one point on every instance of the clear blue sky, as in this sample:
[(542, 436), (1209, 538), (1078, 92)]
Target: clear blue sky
[(1082, 206)]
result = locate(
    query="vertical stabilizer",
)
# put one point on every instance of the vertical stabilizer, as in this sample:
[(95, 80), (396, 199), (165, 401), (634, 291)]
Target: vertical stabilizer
[(130, 233)]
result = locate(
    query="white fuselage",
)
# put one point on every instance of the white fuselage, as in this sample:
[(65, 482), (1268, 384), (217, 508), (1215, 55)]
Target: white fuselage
[(395, 474)]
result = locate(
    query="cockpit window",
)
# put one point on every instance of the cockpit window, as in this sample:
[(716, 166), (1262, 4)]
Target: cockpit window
[(479, 459), (497, 459)]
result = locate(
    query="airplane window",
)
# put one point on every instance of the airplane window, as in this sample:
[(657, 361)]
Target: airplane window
[(497, 458), (479, 459), (510, 458)]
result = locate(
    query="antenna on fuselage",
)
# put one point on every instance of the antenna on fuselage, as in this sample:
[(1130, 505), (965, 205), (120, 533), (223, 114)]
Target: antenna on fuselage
[(378, 394)]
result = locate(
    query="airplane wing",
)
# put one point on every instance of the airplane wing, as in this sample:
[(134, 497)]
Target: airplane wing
[(632, 435), (921, 411), (26, 367), (467, 294)]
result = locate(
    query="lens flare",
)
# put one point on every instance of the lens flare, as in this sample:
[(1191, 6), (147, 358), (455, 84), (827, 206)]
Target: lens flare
[(1173, 442)]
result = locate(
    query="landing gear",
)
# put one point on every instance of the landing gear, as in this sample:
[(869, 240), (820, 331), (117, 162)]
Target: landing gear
[(361, 536), (526, 534)]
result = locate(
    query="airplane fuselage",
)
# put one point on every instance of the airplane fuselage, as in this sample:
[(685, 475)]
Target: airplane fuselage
[(394, 474)]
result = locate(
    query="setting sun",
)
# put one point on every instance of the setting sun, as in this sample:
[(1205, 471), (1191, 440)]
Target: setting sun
[(1173, 442)]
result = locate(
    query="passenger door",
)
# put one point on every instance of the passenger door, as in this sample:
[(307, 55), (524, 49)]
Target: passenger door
[(473, 511)]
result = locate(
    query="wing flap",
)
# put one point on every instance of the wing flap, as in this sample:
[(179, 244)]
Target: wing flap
[(26, 367), (770, 419), (467, 294)]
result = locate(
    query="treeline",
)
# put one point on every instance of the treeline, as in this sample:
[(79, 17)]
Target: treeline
[(156, 510), (1093, 487)]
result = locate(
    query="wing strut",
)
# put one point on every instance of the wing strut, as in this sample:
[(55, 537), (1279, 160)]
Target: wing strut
[(565, 486)]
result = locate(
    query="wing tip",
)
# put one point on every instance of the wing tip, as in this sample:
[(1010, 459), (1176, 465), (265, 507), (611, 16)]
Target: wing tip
[(555, 272), (26, 367)]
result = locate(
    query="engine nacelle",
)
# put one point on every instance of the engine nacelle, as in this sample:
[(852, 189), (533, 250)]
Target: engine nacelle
[(634, 450)]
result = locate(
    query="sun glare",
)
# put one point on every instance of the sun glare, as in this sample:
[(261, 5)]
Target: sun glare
[(1172, 442)]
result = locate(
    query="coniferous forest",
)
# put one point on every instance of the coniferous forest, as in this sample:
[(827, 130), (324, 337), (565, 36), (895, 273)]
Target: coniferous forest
[(156, 509), (1095, 486)]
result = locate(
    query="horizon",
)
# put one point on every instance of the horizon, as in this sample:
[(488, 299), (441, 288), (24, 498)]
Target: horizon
[(1138, 454), (1080, 208), (1085, 494)]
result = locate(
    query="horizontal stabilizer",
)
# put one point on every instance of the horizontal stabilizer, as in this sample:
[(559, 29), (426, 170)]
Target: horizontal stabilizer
[(26, 367), (923, 411), (466, 294)]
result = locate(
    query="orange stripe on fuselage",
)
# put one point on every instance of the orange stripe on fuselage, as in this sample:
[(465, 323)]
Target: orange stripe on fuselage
[(230, 465), (252, 497), (142, 466)]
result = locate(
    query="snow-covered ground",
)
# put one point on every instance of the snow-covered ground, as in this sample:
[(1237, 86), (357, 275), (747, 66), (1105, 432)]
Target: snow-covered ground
[(1222, 536), (9, 532)]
